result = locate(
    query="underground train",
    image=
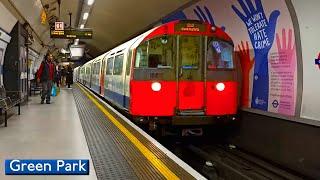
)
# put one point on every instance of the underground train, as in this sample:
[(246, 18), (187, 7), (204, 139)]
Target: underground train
[(182, 73)]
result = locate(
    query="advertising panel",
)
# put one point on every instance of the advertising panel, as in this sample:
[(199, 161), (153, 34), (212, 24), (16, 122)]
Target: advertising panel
[(264, 40)]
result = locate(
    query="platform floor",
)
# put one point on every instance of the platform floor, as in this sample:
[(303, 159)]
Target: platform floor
[(77, 125), (45, 132)]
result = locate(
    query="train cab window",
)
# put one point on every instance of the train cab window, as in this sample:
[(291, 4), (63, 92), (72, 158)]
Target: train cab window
[(157, 53), (118, 65), (190, 51), (219, 55), (109, 66), (142, 56)]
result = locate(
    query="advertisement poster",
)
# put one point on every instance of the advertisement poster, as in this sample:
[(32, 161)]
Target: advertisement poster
[(264, 40)]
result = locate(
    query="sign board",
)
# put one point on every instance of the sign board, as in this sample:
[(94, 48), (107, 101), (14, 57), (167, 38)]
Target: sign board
[(43, 17), (71, 34), (59, 26)]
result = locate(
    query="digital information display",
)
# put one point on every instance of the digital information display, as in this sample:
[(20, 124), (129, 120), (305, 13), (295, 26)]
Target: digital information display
[(47, 167), (190, 27), (71, 34)]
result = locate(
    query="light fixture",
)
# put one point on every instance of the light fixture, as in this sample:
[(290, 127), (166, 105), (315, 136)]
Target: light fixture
[(156, 86), (220, 87), (81, 26), (85, 16), (90, 2), (76, 42)]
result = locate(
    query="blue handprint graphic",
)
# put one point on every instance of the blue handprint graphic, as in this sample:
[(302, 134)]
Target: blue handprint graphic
[(262, 33), (176, 16), (205, 15)]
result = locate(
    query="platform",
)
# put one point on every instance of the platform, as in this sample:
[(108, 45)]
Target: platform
[(45, 131), (77, 123)]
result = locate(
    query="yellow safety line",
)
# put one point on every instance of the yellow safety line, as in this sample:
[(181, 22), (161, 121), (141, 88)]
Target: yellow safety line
[(164, 170)]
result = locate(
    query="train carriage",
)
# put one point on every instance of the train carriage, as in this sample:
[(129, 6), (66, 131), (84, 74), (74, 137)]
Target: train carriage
[(180, 73)]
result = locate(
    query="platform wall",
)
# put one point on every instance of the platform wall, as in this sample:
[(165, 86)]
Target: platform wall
[(308, 18)]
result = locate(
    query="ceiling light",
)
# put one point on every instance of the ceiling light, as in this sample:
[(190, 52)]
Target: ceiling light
[(76, 41), (90, 2), (82, 26), (85, 16)]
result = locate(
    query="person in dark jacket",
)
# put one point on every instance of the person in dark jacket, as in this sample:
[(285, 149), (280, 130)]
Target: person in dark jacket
[(45, 76), (57, 76), (69, 76)]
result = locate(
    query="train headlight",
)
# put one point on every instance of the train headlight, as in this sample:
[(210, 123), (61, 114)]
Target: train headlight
[(156, 86), (220, 87)]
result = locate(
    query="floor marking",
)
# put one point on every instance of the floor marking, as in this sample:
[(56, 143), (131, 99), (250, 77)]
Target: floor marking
[(164, 170)]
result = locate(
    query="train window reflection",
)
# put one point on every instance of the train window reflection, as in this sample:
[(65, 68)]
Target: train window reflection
[(219, 55), (109, 66), (190, 51), (156, 53), (118, 65)]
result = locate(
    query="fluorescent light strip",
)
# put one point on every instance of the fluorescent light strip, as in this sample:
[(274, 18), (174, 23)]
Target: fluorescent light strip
[(85, 16), (90, 2), (82, 26)]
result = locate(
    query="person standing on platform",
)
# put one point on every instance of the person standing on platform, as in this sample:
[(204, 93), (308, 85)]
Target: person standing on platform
[(69, 76), (46, 76), (58, 76), (63, 76)]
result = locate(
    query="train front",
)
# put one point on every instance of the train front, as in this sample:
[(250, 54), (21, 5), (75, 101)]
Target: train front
[(184, 73)]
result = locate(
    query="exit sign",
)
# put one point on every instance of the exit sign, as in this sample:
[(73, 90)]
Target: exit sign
[(59, 26)]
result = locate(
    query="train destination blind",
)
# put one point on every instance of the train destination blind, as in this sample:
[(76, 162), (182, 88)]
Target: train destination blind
[(190, 27), (71, 34)]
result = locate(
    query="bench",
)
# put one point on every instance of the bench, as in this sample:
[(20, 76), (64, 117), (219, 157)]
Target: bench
[(8, 100), (34, 87)]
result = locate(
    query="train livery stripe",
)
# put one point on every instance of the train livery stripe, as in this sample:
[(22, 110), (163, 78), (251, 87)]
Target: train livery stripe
[(164, 170)]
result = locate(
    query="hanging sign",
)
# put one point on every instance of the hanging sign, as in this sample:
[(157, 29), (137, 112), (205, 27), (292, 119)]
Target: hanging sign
[(59, 26)]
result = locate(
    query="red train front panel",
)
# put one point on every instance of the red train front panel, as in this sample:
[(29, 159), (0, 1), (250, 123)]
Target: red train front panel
[(184, 72)]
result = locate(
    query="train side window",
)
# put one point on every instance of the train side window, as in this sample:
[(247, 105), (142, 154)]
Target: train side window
[(128, 63), (118, 65), (219, 55), (109, 66), (98, 68)]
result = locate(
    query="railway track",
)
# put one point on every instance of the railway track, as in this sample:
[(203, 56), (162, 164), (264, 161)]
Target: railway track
[(214, 160), (227, 162)]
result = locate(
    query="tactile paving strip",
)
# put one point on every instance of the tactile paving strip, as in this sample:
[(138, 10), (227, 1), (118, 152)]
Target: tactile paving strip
[(109, 147)]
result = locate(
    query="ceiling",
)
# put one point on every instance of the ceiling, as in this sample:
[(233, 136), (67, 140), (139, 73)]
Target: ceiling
[(115, 21), (112, 21)]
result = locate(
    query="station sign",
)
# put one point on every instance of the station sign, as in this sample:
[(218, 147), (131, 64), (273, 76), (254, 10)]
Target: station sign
[(71, 34), (190, 27)]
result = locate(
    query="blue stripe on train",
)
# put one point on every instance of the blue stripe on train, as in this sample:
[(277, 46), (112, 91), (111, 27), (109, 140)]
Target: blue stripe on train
[(95, 88), (117, 98)]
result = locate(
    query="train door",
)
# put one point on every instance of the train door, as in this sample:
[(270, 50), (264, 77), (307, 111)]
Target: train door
[(109, 78), (118, 79), (102, 75), (127, 80), (190, 76)]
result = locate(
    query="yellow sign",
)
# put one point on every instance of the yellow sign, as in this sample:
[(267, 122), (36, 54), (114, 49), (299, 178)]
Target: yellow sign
[(43, 17)]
